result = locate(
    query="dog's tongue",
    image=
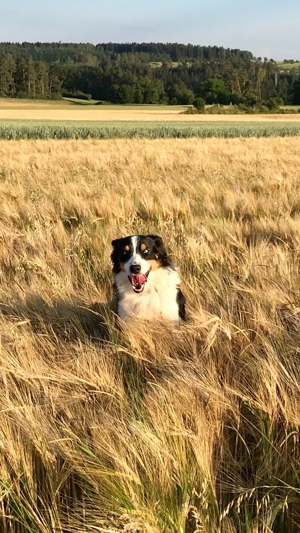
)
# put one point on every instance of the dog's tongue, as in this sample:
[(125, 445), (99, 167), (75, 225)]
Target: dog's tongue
[(138, 279)]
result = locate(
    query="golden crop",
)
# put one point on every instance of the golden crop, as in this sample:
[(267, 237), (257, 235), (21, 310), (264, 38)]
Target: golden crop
[(150, 429)]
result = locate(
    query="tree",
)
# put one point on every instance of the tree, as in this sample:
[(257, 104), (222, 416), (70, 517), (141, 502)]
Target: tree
[(260, 76), (7, 70), (41, 77), (122, 94), (153, 90), (30, 76), (199, 104), (274, 103), (20, 77), (214, 90), (138, 95), (296, 92), (182, 95), (54, 85)]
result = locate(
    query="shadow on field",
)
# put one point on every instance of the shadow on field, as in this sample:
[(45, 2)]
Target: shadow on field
[(85, 103), (68, 320)]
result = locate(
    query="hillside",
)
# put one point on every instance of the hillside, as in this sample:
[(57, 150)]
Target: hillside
[(125, 73)]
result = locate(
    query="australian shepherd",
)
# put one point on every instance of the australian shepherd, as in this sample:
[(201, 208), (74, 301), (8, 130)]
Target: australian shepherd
[(146, 281)]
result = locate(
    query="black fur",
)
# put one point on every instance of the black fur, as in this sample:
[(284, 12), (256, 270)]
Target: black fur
[(154, 244), (118, 247), (160, 251), (180, 299)]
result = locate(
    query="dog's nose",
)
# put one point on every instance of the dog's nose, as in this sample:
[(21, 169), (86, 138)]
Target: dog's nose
[(135, 269)]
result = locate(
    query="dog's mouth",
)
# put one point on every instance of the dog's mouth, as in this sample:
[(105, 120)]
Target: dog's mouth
[(138, 281)]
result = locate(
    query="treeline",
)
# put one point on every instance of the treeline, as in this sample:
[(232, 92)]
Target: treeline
[(85, 53), (146, 73)]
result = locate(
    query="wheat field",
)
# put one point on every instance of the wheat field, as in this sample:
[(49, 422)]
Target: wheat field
[(163, 114), (12, 109), (148, 429)]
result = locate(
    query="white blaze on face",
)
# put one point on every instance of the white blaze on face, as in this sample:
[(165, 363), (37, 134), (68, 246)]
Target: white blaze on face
[(136, 258)]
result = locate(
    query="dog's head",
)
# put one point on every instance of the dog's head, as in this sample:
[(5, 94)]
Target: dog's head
[(137, 256)]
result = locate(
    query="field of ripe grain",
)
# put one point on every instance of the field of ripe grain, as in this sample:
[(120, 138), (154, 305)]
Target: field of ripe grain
[(43, 110), (139, 114), (149, 429)]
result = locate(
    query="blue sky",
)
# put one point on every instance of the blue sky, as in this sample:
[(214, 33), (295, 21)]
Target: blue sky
[(266, 28)]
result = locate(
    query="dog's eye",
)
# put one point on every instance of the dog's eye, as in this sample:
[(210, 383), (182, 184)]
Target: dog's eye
[(146, 252), (125, 253)]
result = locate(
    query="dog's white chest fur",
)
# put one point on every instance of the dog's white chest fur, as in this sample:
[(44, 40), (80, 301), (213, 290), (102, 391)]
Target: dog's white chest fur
[(158, 300)]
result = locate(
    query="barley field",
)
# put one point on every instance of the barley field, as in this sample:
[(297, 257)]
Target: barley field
[(149, 429)]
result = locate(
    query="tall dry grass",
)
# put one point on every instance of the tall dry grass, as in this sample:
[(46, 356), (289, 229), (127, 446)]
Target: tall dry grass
[(148, 429)]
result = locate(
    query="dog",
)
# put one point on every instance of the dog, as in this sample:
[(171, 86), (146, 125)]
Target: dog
[(146, 282)]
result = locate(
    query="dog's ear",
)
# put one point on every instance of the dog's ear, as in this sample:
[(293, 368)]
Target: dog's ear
[(158, 240), (115, 243), (161, 253), (114, 256)]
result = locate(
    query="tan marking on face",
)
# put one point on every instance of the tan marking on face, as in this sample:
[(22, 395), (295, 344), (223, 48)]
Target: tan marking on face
[(154, 263), (122, 266), (127, 248), (143, 247)]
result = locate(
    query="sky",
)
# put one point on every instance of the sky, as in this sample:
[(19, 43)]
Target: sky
[(267, 28)]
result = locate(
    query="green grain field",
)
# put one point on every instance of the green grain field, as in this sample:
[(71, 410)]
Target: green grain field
[(38, 129)]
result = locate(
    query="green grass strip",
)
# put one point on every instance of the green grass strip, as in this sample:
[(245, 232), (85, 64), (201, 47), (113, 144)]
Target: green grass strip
[(17, 129)]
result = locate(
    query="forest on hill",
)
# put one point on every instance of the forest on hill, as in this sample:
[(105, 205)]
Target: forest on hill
[(146, 73)]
